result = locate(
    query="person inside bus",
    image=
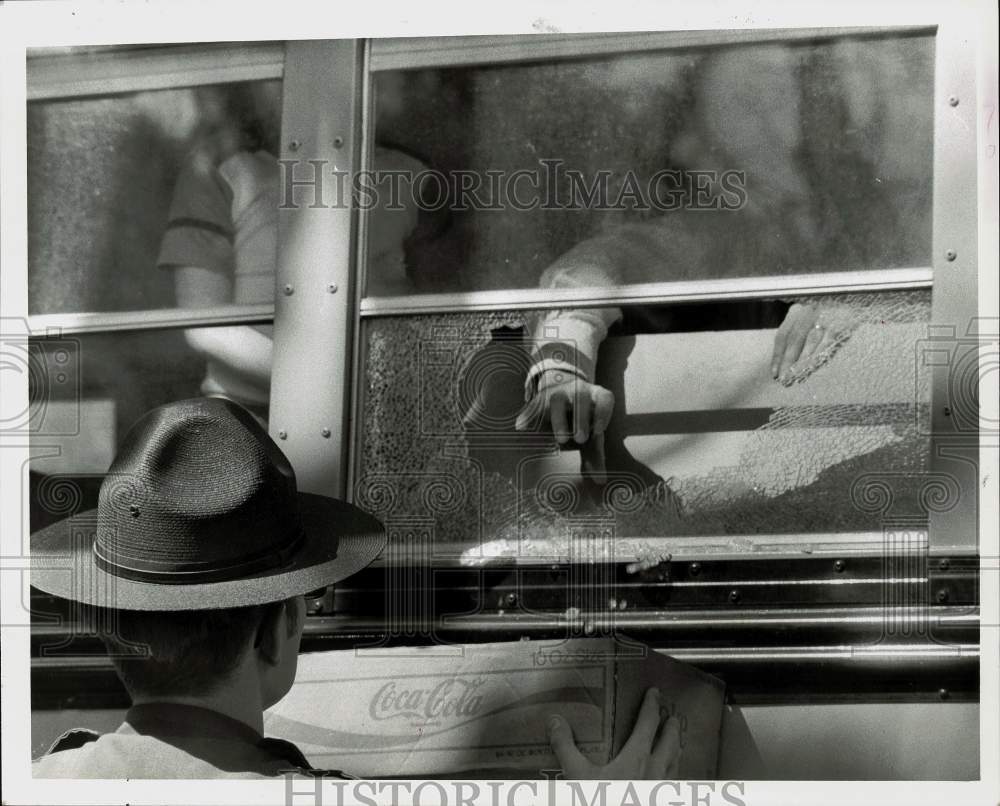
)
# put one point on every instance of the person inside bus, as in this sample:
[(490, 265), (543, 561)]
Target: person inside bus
[(222, 231), (806, 128), (205, 549)]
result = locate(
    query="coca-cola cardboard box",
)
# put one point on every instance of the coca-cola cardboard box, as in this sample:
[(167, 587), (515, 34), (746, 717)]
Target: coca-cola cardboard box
[(481, 709)]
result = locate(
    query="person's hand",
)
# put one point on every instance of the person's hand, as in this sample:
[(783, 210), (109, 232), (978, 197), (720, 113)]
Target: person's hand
[(652, 752), (575, 409), (800, 335)]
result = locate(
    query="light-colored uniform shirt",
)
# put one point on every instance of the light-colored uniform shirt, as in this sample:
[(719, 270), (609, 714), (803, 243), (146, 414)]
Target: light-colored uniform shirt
[(165, 740)]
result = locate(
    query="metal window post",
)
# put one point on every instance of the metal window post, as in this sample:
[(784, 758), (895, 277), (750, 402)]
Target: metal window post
[(951, 354), (314, 285)]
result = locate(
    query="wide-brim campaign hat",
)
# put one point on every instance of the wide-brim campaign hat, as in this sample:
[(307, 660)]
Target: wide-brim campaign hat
[(200, 510)]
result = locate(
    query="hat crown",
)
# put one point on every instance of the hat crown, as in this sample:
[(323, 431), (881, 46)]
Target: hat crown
[(197, 492)]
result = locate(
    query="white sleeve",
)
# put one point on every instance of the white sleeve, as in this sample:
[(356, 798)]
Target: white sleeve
[(569, 339)]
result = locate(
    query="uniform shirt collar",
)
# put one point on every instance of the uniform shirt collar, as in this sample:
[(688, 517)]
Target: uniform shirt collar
[(182, 720)]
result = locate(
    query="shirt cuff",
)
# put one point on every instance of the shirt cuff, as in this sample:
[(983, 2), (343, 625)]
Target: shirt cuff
[(566, 344)]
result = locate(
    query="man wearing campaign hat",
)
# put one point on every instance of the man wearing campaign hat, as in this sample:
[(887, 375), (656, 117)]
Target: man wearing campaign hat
[(202, 553)]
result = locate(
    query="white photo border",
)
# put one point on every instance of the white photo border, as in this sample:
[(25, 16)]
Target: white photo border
[(24, 25)]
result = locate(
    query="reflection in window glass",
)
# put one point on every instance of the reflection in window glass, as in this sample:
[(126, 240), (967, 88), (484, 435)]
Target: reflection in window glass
[(705, 449), (87, 391), (715, 162), (124, 189)]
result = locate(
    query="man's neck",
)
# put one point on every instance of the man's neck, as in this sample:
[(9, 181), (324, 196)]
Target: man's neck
[(232, 701)]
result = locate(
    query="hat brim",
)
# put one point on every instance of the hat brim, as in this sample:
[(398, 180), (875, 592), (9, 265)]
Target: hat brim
[(340, 540)]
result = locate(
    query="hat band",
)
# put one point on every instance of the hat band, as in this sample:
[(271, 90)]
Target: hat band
[(184, 574)]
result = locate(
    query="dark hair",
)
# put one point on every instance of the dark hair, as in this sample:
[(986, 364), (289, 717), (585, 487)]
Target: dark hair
[(184, 652), (234, 117)]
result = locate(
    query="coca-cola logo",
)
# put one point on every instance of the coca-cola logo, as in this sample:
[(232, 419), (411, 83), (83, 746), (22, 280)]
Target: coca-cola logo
[(451, 698)]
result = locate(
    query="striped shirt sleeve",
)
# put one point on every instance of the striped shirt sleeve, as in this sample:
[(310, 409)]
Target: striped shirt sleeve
[(199, 228)]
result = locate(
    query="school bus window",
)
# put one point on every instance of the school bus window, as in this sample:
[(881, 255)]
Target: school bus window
[(129, 193), (704, 450), (703, 163)]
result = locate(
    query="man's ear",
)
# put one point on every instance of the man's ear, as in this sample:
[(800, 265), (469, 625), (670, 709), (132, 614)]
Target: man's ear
[(295, 614), (272, 633)]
